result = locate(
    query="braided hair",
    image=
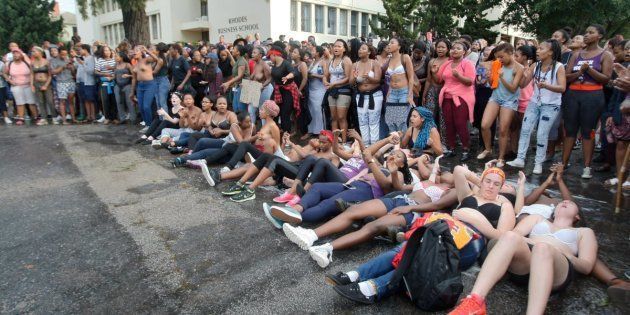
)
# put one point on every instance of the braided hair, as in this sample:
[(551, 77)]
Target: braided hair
[(556, 56)]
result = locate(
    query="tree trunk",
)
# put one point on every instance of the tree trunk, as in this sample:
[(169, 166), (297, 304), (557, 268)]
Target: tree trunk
[(136, 25)]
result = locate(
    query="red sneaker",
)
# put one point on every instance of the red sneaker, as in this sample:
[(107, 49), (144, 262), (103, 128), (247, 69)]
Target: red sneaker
[(470, 305)]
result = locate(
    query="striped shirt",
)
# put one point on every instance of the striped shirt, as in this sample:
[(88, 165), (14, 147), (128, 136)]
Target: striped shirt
[(102, 64)]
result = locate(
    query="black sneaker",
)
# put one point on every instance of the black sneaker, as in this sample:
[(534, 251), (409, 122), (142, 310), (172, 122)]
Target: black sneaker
[(146, 142), (176, 150), (340, 278), (234, 189), (341, 205), (177, 162), (448, 153), (245, 195), (352, 292), (140, 140)]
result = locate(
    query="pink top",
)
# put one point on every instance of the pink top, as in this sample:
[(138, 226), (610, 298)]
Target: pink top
[(20, 73), (526, 95), (454, 88)]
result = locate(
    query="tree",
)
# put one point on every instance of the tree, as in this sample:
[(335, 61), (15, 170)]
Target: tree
[(543, 17), (476, 24), (135, 20), (397, 19), (28, 22), (438, 16)]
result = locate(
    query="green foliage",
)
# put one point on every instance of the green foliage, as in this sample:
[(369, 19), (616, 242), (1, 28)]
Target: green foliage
[(397, 19), (439, 16), (135, 21), (543, 17), (27, 22), (476, 24), (97, 5)]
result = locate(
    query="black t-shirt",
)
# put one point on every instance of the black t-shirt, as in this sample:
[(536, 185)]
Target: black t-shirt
[(226, 68), (178, 69), (277, 73), (196, 77)]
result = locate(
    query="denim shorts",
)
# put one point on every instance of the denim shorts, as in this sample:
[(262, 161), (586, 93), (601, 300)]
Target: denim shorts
[(89, 92), (510, 104), (399, 201)]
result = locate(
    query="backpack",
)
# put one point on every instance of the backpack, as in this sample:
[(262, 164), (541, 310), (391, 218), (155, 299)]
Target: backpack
[(429, 268)]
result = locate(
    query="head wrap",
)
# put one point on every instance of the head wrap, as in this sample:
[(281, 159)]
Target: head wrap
[(494, 170), (271, 108), (425, 130), (274, 52), (328, 134)]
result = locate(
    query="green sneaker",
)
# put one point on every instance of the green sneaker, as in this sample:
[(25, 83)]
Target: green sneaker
[(81, 118), (245, 195), (234, 189)]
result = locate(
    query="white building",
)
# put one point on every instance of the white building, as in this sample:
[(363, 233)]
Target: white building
[(194, 20)]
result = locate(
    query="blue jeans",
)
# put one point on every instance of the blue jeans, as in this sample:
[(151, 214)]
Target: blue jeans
[(204, 148), (146, 92), (397, 109), (380, 270), (319, 201), (543, 115), (237, 106), (162, 92), (398, 95)]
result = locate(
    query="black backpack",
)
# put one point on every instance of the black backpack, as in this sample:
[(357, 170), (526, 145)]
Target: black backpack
[(429, 268)]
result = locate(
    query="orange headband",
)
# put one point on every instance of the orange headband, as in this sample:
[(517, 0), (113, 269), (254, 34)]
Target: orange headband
[(494, 170)]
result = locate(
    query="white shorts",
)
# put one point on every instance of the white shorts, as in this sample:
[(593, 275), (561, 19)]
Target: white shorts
[(64, 89), (23, 95)]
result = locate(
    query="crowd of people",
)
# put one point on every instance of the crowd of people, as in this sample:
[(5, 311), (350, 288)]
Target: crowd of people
[(355, 133)]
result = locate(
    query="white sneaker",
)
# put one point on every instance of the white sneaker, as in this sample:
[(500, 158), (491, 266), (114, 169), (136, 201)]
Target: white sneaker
[(143, 130), (537, 169), (206, 174), (156, 144), (8, 120), (286, 214), (587, 173), (224, 169), (101, 120), (518, 163), (57, 120), (500, 163), (322, 254), (302, 237), (68, 117)]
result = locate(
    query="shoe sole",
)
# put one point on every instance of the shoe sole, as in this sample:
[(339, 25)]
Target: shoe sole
[(618, 295), (331, 281), (340, 292), (206, 175), (271, 219), (322, 262), (514, 165), (243, 200), (288, 231), (284, 216), (231, 193)]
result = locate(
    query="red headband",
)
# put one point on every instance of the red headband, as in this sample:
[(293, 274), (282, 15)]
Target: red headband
[(328, 134), (274, 52)]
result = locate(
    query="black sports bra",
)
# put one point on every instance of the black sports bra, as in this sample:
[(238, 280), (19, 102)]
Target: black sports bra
[(225, 124), (490, 210)]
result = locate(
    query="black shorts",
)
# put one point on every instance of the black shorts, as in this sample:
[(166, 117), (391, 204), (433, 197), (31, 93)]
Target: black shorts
[(582, 111), (523, 280)]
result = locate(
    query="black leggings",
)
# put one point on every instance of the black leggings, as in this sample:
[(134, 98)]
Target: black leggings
[(277, 165), (239, 154), (482, 95), (582, 111), (222, 155), (156, 127), (286, 108), (325, 171)]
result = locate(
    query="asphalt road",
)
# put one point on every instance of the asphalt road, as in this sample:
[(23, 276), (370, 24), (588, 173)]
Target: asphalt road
[(93, 224)]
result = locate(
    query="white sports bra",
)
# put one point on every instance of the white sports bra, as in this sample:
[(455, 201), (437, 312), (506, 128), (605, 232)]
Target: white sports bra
[(433, 192), (567, 236), (398, 70)]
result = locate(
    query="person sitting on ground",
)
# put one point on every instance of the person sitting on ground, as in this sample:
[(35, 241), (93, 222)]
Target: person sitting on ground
[(188, 114), (268, 165), (423, 134), (169, 120)]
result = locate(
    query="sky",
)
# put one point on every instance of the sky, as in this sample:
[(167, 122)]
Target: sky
[(67, 5)]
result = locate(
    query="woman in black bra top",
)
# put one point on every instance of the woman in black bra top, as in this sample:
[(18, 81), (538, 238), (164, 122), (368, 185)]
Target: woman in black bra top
[(484, 209)]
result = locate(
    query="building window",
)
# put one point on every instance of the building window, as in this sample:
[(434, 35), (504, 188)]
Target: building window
[(319, 19), (156, 32), (354, 23), (204, 7), (294, 13), (364, 24), (122, 31), (306, 17), (343, 22), (332, 20)]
